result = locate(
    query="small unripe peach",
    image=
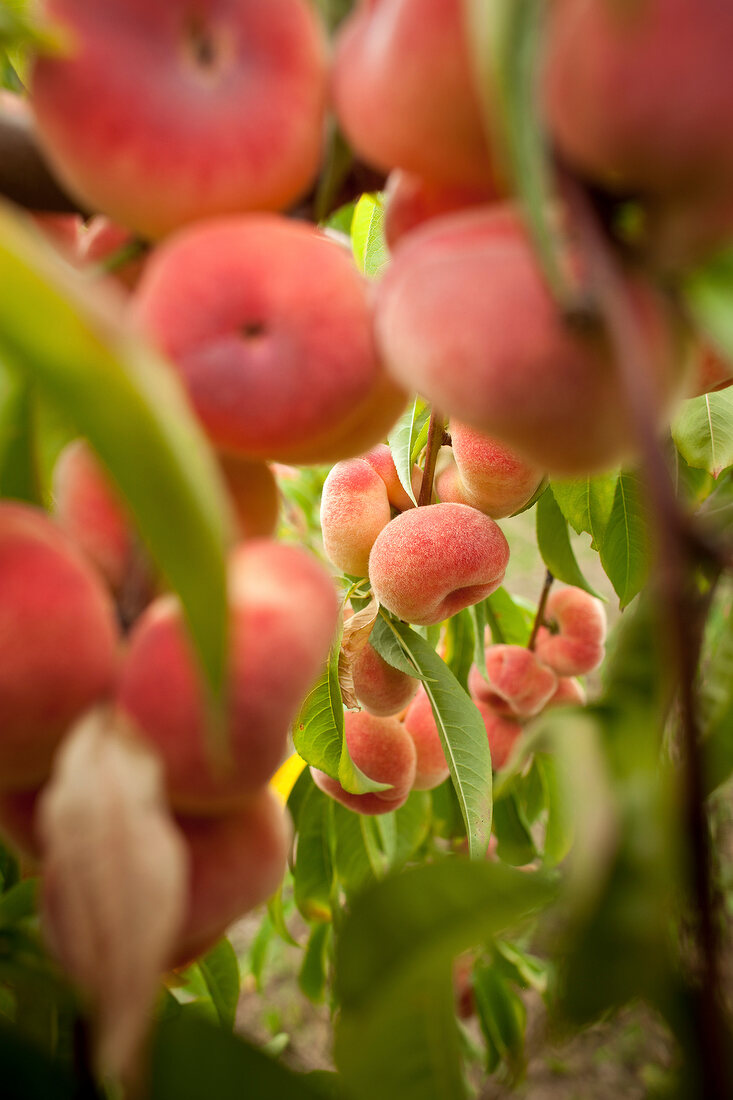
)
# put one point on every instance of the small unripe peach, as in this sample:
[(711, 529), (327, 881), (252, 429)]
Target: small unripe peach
[(574, 643), (430, 562), (383, 750), (432, 768), (518, 683), (486, 474)]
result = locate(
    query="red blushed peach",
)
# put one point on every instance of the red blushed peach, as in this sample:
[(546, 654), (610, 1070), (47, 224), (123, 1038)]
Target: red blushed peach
[(432, 767), (502, 733), (384, 752), (465, 318), (58, 642), (411, 200), (269, 324), (574, 642), (429, 563), (379, 687), (642, 99), (18, 822), (517, 682), (142, 117), (404, 94), (283, 615), (236, 862), (254, 494), (486, 474), (569, 693)]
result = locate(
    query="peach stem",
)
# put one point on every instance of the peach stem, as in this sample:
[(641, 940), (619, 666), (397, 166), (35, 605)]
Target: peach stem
[(538, 619), (435, 442)]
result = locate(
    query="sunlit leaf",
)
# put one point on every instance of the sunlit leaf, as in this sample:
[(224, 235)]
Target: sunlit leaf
[(403, 441), (554, 545), (703, 431)]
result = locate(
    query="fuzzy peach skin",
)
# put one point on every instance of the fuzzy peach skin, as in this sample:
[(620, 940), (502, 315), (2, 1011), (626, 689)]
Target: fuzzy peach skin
[(429, 563), (486, 474), (357, 501), (143, 117), (569, 693), (269, 324), (236, 862), (380, 688), (384, 752), (58, 642), (432, 767), (18, 822), (501, 731), (410, 200), (284, 612), (465, 318), (404, 94), (518, 683), (575, 643)]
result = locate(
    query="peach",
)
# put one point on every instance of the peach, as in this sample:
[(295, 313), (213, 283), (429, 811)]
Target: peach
[(410, 200), (236, 862), (383, 750), (404, 94), (502, 733), (465, 318), (640, 99), (429, 563), (432, 767), (573, 643), (254, 493), (518, 683), (486, 474), (382, 689), (569, 693), (142, 118), (269, 324), (58, 642), (283, 615), (358, 497), (18, 822)]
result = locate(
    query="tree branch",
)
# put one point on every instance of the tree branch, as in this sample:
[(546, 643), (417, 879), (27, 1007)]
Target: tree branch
[(25, 176)]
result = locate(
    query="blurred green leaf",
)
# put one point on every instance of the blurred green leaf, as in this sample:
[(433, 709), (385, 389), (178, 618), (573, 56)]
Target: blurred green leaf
[(703, 431), (518, 966), (460, 646), (717, 710), (586, 503), (510, 622), (313, 871), (19, 474), (29, 1072), (554, 545), (514, 839), (318, 730), (623, 548), (367, 235), (502, 1016), (313, 971), (708, 293), (220, 971), (19, 902), (402, 442), (351, 860)]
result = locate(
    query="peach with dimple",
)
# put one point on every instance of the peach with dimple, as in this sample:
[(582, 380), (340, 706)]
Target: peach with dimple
[(283, 614), (432, 768), (517, 682), (269, 325), (486, 474), (382, 749), (430, 562), (574, 643)]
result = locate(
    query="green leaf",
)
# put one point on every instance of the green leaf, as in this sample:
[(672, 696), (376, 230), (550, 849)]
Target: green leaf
[(192, 1058), (19, 474), (460, 646), (402, 441), (412, 826), (351, 860), (586, 503), (318, 730), (514, 839), (313, 871), (479, 617), (462, 733), (703, 431), (132, 409), (717, 709), (623, 548), (559, 829), (367, 235), (708, 294), (510, 622), (502, 1016), (313, 972), (19, 902), (554, 545), (220, 971), (277, 915), (528, 971), (28, 1071)]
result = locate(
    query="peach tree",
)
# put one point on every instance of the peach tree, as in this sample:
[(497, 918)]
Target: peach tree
[(300, 301)]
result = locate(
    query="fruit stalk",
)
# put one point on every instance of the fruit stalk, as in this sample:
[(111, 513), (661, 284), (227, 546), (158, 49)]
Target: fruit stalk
[(435, 441), (540, 610)]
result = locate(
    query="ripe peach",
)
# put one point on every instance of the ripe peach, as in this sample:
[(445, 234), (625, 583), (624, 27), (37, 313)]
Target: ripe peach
[(283, 615), (269, 324), (574, 642), (640, 98), (501, 731), (18, 821), (143, 117), (432, 767), (254, 493), (410, 200), (569, 693), (518, 683), (236, 862), (58, 651), (404, 94), (464, 317), (430, 562), (383, 750), (357, 501), (380, 688), (486, 474)]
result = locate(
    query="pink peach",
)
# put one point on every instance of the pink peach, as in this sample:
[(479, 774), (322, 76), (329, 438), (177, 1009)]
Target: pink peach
[(382, 689), (502, 733), (382, 749), (518, 683), (411, 200), (569, 693), (574, 642), (432, 767), (486, 474)]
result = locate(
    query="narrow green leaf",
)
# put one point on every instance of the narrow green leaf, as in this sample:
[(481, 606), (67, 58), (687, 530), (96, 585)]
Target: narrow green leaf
[(313, 871), (708, 294), (586, 503), (402, 440), (717, 709), (479, 617), (514, 839), (114, 390), (527, 971), (462, 734), (19, 473), (318, 730), (220, 971), (460, 646), (502, 1016), (367, 235), (559, 830), (703, 431), (277, 915), (412, 826), (509, 621), (28, 1071), (623, 548), (19, 902), (351, 860), (313, 972), (554, 545)]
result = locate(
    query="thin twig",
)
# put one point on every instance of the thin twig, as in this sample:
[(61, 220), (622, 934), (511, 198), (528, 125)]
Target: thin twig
[(539, 617), (435, 440)]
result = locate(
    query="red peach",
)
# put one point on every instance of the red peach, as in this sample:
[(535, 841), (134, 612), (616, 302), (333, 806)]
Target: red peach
[(382, 749), (574, 644), (382, 689), (142, 118), (430, 562), (283, 615), (518, 683), (502, 733), (58, 642), (410, 200), (432, 767), (268, 322), (486, 474)]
